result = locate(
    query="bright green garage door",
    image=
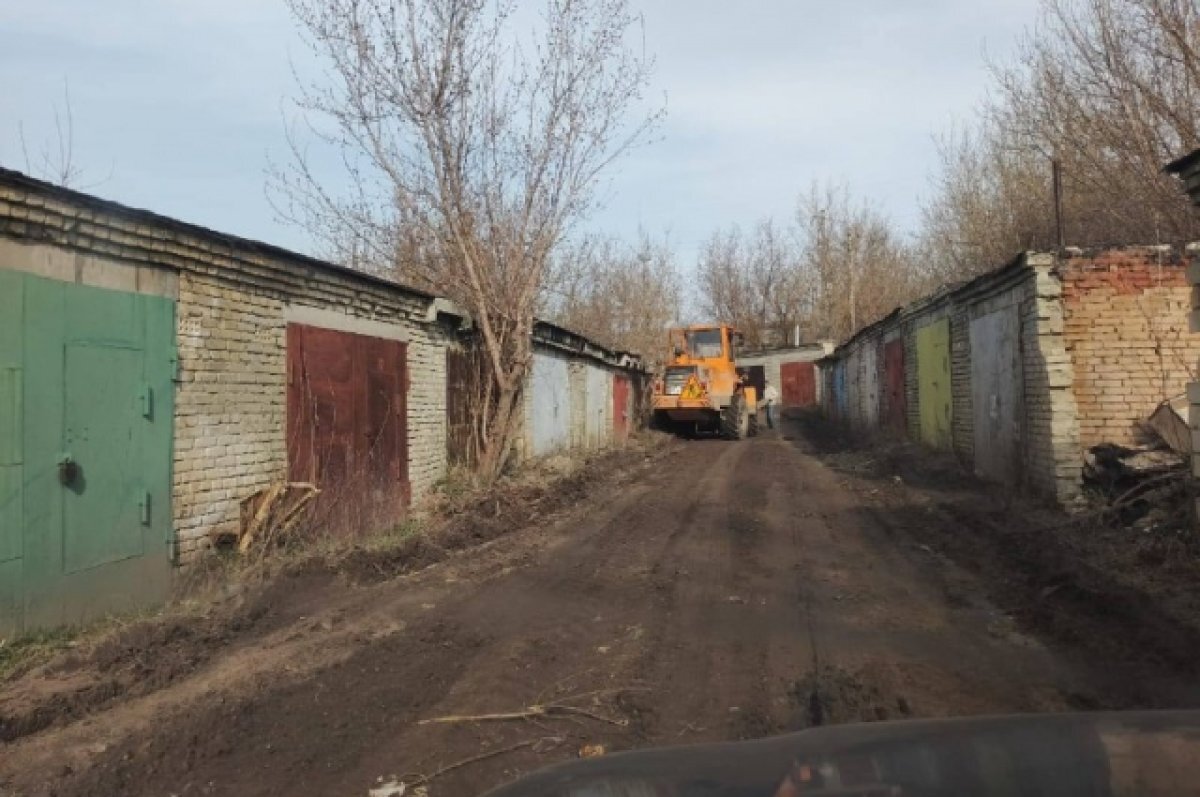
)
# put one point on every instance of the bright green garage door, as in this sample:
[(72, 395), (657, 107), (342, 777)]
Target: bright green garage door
[(86, 408)]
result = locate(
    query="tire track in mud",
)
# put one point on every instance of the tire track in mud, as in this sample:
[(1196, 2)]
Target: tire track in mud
[(884, 643), (730, 622), (737, 590)]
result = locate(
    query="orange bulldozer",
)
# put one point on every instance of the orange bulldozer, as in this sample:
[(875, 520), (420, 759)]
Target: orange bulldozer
[(701, 389)]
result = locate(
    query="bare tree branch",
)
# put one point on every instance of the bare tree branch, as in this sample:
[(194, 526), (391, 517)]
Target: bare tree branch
[(1109, 88), (471, 149), (55, 161)]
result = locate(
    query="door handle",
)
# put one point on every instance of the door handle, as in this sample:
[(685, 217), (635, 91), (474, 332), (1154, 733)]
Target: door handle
[(68, 469)]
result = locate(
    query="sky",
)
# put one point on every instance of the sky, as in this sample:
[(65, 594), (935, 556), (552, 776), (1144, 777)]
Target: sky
[(179, 106)]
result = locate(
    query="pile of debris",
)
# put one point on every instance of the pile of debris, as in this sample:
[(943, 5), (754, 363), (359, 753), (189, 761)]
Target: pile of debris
[(268, 517), (1144, 487)]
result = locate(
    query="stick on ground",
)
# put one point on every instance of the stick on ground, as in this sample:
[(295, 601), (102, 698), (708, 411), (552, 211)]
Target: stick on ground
[(532, 712)]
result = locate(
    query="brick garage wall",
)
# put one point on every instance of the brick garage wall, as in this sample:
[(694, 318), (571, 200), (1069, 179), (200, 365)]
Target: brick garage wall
[(912, 408), (233, 299), (962, 417), (231, 404), (772, 360), (577, 377), (1125, 328), (1193, 275), (1048, 442), (1053, 460), (1050, 460)]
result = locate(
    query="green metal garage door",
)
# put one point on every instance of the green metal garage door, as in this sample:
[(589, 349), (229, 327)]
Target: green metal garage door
[(86, 414)]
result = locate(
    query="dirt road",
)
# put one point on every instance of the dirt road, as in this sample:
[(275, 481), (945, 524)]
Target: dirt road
[(713, 591)]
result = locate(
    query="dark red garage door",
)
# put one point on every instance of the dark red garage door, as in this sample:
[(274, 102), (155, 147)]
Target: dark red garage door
[(799, 384), (346, 426), (894, 404), (621, 408)]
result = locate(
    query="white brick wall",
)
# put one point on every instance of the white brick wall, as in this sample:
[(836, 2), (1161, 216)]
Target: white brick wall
[(771, 360), (232, 398), (231, 329), (234, 299), (1053, 460)]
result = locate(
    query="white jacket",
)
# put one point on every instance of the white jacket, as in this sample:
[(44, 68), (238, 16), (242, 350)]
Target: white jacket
[(771, 394)]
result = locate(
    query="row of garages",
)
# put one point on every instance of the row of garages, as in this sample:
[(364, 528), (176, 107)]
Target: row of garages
[(1022, 369), (572, 404), (153, 374)]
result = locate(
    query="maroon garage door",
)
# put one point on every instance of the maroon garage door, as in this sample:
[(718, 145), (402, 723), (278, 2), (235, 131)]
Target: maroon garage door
[(799, 384), (621, 408), (894, 400), (346, 426)]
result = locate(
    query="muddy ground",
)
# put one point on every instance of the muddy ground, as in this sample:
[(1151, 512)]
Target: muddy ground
[(699, 591)]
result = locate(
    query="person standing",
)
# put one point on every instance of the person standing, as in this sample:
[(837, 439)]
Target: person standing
[(771, 396)]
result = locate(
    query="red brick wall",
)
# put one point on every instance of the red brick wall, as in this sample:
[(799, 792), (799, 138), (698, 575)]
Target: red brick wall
[(1126, 328)]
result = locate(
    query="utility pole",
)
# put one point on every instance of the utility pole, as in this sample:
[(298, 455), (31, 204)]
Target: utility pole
[(1056, 180), (850, 258), (823, 293)]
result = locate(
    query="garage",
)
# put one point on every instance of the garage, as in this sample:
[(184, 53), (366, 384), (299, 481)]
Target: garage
[(550, 404), (346, 426), (86, 412)]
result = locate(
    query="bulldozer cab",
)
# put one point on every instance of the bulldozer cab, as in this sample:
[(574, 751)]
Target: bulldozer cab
[(711, 345)]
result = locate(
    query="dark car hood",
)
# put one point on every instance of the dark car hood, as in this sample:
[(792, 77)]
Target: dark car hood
[(1142, 753)]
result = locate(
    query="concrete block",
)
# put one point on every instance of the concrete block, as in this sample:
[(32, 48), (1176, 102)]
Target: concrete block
[(40, 260)]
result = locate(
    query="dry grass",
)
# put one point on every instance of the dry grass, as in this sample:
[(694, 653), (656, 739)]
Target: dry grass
[(22, 653), (224, 577)]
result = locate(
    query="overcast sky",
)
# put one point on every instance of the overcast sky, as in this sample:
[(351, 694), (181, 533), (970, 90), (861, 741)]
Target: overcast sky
[(179, 104)]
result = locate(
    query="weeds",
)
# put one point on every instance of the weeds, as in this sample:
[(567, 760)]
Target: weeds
[(457, 515), (457, 484), (395, 536), (27, 651)]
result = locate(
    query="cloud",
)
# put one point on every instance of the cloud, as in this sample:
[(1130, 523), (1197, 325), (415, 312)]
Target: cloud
[(183, 98), (765, 97)]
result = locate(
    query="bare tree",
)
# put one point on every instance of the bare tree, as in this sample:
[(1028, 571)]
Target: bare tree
[(991, 200), (1112, 89), (1108, 89), (753, 281), (54, 161), (838, 267), (855, 266), (777, 282), (624, 296), (725, 292), (472, 150)]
